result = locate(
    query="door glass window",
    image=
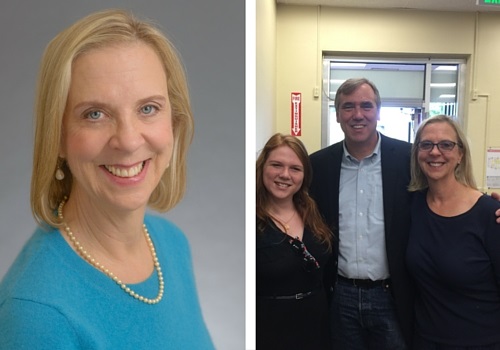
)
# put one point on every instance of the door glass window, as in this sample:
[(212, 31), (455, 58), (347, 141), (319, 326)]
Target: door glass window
[(410, 90), (443, 87)]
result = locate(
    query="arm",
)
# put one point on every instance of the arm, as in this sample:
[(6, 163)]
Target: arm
[(496, 196), (492, 245), (30, 325)]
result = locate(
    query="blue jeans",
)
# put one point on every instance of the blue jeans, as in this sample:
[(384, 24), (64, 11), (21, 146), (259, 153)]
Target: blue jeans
[(423, 344), (364, 319)]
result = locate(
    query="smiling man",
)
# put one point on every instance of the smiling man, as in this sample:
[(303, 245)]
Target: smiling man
[(360, 186)]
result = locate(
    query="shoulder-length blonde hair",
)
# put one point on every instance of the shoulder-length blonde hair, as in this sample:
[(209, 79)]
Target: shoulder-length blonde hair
[(102, 29), (305, 205), (463, 171)]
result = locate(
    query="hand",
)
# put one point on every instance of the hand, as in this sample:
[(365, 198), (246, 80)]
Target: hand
[(496, 196)]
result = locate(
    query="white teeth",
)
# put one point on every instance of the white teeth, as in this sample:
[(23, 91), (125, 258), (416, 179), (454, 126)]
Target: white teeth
[(435, 164), (357, 126), (282, 185), (121, 172)]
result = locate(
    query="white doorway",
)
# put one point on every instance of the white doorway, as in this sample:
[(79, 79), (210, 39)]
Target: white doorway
[(411, 90)]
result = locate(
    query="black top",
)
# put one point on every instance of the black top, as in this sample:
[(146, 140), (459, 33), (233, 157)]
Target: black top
[(456, 264), (281, 271)]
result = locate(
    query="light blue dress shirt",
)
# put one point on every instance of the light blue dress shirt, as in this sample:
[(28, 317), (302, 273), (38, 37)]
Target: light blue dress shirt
[(362, 251)]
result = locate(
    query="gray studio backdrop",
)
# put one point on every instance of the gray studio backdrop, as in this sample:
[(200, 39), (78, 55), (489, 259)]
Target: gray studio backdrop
[(210, 38)]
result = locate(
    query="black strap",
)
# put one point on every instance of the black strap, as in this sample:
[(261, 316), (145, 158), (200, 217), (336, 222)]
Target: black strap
[(365, 283), (297, 296)]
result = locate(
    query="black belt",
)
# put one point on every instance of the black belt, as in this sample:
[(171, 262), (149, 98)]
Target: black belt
[(297, 296), (365, 283)]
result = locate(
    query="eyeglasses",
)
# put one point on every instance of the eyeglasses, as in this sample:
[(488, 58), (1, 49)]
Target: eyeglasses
[(443, 146), (310, 263)]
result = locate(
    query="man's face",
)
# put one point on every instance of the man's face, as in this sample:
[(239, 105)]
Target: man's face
[(358, 115)]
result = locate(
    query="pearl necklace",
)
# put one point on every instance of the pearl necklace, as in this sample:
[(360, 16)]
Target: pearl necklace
[(85, 255)]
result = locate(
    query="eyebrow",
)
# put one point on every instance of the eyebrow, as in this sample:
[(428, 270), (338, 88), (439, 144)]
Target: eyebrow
[(104, 105), (98, 103), (362, 103), (280, 162)]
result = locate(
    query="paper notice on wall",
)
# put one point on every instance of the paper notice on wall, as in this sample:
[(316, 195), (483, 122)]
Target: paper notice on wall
[(493, 168)]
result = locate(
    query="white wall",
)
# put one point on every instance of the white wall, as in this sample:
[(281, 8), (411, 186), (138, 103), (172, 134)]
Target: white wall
[(265, 71), (305, 32)]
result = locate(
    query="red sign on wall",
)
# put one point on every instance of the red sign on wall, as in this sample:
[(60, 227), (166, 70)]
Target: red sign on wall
[(296, 102)]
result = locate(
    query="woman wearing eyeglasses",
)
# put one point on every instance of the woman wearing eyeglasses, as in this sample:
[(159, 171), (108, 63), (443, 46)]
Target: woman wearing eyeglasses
[(294, 248), (454, 245)]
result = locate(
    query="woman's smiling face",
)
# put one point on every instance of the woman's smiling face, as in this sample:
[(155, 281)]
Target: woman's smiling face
[(117, 132), (283, 173), (438, 164)]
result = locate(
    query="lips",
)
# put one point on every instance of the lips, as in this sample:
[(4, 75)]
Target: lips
[(282, 184), (125, 172)]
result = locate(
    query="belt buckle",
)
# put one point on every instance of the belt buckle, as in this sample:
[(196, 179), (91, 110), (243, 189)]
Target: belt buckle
[(358, 283), (362, 283), (299, 296)]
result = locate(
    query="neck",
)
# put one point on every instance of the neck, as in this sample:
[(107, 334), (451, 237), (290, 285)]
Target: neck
[(452, 198), (361, 150), (445, 190), (282, 214), (128, 272), (114, 234), (281, 207)]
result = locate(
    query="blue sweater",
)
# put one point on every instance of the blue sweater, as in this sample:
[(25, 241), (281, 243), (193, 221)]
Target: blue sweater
[(52, 299)]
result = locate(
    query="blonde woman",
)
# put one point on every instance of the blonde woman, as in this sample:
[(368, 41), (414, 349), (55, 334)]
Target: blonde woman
[(113, 125), (453, 245)]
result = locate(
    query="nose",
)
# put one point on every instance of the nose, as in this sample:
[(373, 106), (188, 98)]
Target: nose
[(435, 150), (285, 173), (358, 111), (127, 134)]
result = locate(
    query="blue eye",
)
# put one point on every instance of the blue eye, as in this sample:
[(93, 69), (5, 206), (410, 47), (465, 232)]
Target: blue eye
[(94, 115), (148, 109)]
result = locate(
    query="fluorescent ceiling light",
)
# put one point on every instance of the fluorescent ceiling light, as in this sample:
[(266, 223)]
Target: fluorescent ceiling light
[(337, 81), (446, 96), (347, 65), (446, 68), (443, 85)]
